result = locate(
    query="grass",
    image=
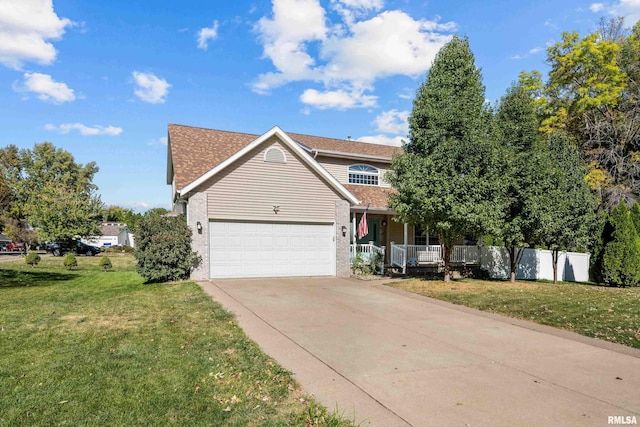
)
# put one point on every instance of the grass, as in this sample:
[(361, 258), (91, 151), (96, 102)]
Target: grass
[(89, 347), (611, 314)]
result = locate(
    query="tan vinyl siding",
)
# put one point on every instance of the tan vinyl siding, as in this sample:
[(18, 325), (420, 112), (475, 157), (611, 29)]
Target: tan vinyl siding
[(249, 189), (395, 232), (339, 168)]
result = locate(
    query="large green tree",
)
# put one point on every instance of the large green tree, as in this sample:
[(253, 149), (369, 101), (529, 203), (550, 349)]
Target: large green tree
[(561, 207), (449, 174), (518, 124), (593, 93), (52, 193)]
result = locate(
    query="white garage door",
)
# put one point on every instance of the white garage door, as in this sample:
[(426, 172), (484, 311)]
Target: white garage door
[(252, 249)]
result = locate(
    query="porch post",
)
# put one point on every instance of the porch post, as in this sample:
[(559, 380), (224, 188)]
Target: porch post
[(355, 229), (406, 234)]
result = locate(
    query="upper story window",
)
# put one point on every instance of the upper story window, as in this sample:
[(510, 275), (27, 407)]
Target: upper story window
[(363, 174)]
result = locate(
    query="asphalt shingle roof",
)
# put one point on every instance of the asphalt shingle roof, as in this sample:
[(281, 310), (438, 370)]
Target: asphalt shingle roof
[(195, 151)]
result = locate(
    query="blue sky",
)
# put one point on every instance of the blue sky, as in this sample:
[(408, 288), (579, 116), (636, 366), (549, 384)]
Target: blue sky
[(103, 79)]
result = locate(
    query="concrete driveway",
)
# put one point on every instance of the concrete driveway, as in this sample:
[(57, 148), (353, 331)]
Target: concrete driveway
[(391, 358)]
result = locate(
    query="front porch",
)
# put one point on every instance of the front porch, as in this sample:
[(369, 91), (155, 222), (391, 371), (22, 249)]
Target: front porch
[(418, 249)]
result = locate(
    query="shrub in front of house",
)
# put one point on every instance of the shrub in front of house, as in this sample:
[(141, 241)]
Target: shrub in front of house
[(163, 249), (621, 257), (32, 259), (70, 261), (105, 263)]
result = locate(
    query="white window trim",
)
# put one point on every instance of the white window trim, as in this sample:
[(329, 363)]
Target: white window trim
[(365, 173)]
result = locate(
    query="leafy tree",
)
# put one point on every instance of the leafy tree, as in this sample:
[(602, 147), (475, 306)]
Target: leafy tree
[(163, 249), (562, 206), (593, 93), (124, 215), (518, 126), (52, 193), (621, 258), (449, 176), (155, 213)]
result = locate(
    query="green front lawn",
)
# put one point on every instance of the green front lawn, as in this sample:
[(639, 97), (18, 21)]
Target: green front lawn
[(88, 347), (611, 314)]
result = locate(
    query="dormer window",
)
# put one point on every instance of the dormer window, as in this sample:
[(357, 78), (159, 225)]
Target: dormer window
[(363, 174)]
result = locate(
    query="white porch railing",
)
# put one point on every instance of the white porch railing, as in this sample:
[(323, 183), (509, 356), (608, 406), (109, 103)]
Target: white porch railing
[(368, 252), (399, 257), (416, 255)]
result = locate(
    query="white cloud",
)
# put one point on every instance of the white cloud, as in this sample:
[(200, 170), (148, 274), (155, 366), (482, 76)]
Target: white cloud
[(407, 93), (630, 9), (532, 51), (47, 89), (150, 88), (26, 28), (338, 99), (349, 10), (392, 43), (65, 128), (345, 58), (160, 141), (206, 34), (396, 141), (284, 38), (393, 122)]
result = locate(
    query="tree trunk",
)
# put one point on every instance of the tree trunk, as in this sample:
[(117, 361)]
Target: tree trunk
[(446, 258), (554, 258), (515, 255)]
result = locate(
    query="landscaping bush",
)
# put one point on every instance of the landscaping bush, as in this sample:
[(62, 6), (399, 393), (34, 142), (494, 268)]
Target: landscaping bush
[(32, 259), (105, 263), (70, 261), (163, 249), (621, 257)]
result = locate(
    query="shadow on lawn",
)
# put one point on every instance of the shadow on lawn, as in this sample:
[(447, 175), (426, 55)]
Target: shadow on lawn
[(14, 279)]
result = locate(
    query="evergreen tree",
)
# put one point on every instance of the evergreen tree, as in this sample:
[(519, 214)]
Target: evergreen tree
[(621, 258), (635, 216), (449, 177)]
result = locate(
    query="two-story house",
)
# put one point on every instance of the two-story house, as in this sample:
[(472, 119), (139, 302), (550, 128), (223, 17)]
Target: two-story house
[(280, 204)]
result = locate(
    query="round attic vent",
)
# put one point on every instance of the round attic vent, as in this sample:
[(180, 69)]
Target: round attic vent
[(275, 155)]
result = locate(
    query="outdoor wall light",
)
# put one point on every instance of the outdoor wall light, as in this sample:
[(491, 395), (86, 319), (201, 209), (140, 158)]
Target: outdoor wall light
[(276, 209), (384, 223), (344, 230), (199, 226)]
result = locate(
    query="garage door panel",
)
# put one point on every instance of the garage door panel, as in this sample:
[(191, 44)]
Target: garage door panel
[(245, 249)]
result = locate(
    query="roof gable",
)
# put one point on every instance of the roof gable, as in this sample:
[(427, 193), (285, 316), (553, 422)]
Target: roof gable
[(286, 140), (193, 151)]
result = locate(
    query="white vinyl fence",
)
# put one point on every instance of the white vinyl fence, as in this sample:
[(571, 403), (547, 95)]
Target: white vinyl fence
[(536, 264)]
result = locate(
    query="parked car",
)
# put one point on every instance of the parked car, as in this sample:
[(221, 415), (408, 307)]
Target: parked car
[(15, 247), (61, 247)]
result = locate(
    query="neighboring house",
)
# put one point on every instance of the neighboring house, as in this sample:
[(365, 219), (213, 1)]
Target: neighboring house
[(280, 204), (113, 234)]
